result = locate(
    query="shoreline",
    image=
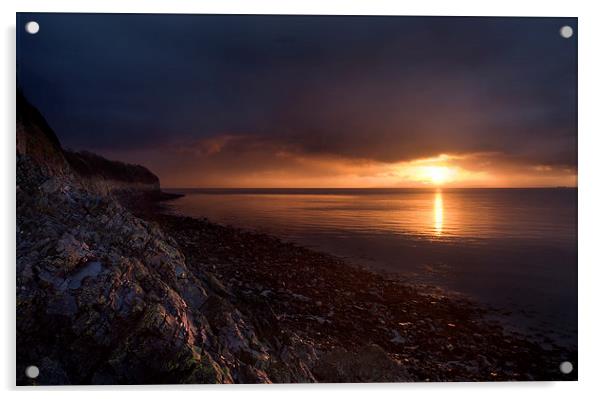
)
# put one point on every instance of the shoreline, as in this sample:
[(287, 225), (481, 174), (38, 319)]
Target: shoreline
[(337, 306), (431, 261)]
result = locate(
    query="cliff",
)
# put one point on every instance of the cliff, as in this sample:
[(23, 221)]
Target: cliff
[(104, 297), (111, 176), (37, 142)]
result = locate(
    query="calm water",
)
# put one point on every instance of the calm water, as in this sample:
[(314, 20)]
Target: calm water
[(514, 249)]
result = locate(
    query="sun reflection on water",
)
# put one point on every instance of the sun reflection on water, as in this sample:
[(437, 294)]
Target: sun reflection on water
[(438, 213)]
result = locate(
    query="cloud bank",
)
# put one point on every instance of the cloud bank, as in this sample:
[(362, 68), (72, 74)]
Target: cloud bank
[(312, 101)]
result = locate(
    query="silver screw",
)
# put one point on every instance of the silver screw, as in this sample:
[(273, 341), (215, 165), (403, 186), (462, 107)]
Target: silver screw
[(32, 372), (32, 27), (566, 367), (566, 31)]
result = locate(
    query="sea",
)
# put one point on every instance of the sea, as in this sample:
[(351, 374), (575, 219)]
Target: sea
[(514, 251)]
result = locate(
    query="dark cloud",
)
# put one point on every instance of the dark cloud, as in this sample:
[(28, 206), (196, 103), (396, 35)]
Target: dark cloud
[(386, 89)]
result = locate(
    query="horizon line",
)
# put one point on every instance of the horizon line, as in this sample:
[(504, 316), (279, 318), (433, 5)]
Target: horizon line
[(371, 188)]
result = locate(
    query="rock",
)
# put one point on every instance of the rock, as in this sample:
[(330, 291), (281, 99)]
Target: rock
[(368, 364), (71, 251), (125, 316), (215, 284), (302, 298), (397, 338)]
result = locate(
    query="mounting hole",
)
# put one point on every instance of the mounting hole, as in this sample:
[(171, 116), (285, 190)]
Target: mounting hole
[(32, 372), (566, 31), (32, 27), (566, 367)]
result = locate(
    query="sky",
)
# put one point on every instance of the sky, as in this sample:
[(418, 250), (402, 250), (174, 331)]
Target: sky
[(311, 101)]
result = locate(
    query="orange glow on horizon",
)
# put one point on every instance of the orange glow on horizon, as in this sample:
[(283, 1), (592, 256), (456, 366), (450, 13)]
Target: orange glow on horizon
[(260, 169)]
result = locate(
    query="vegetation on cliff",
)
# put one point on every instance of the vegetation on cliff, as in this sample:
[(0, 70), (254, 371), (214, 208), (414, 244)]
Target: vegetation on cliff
[(88, 164)]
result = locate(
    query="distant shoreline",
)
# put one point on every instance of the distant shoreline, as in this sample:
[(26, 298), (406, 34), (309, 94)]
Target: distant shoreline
[(314, 190)]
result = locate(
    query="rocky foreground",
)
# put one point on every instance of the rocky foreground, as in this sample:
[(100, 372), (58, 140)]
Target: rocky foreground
[(112, 291)]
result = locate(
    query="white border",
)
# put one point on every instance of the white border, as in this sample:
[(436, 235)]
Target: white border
[(590, 198)]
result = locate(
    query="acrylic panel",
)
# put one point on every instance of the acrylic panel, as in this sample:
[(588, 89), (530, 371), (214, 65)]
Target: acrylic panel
[(209, 199)]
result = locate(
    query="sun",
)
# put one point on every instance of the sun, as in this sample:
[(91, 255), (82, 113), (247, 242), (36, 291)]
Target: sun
[(437, 175), (435, 172)]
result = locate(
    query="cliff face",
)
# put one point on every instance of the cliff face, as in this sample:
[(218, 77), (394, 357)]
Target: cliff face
[(111, 176), (37, 142), (104, 297)]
